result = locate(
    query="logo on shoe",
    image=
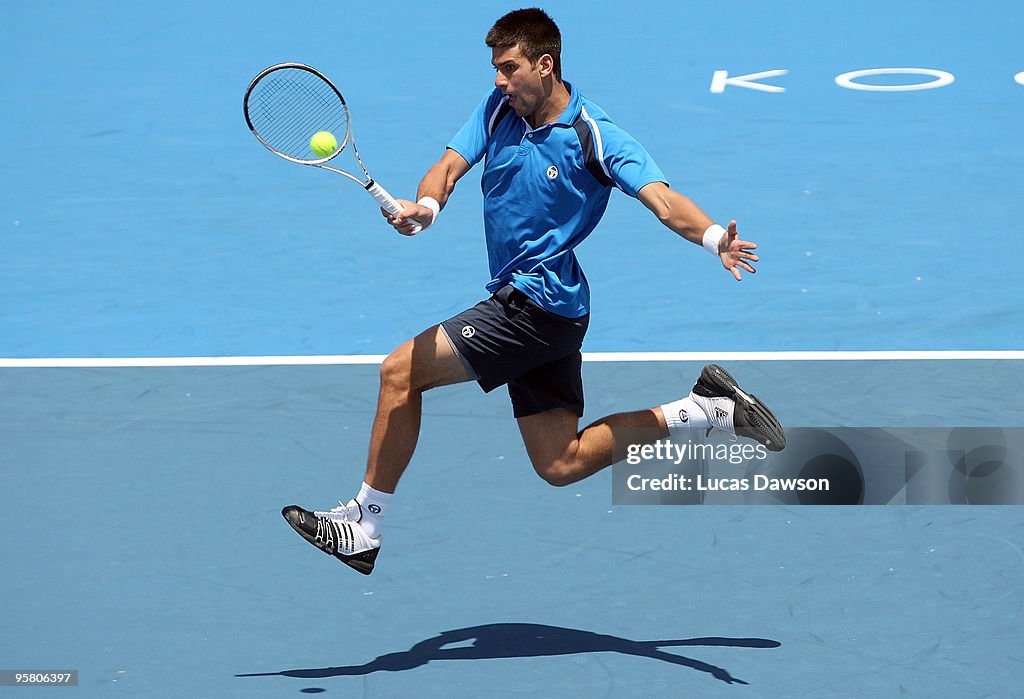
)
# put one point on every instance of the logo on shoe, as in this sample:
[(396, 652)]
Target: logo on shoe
[(683, 417), (374, 508), (468, 331), (720, 413)]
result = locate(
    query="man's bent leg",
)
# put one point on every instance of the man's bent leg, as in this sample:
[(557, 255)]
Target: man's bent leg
[(425, 362), (562, 456)]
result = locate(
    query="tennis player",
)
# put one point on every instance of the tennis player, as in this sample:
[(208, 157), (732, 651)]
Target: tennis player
[(551, 159)]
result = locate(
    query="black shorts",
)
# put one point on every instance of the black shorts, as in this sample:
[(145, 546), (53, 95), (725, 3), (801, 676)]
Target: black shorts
[(509, 339)]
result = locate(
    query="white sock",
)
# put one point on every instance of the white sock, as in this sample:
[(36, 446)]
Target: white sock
[(374, 504), (684, 414)]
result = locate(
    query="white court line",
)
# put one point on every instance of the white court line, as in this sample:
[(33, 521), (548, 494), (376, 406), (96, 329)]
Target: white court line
[(322, 360)]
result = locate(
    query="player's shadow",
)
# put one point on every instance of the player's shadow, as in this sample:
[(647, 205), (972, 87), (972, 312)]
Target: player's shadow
[(492, 641)]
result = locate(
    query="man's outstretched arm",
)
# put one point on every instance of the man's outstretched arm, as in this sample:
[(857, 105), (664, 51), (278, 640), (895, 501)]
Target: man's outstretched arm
[(686, 219)]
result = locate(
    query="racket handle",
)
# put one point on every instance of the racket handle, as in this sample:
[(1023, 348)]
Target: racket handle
[(387, 202)]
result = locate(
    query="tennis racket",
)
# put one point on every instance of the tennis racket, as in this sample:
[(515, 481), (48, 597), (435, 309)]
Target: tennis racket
[(286, 104)]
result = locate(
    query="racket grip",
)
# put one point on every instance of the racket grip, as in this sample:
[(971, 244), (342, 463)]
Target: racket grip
[(387, 202)]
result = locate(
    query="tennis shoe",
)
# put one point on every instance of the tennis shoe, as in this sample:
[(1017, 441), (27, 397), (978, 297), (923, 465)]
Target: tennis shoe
[(734, 411), (337, 532)]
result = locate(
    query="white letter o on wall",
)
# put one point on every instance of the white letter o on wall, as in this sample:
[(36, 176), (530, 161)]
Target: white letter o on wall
[(940, 78)]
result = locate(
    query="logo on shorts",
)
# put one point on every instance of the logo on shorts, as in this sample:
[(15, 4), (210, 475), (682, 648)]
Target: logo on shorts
[(683, 417), (374, 508), (468, 331), (552, 172)]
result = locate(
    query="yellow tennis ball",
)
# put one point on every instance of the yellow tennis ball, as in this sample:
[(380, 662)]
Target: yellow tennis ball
[(323, 144)]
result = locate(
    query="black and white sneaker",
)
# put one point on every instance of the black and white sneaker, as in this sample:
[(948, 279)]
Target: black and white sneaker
[(734, 411), (338, 533)]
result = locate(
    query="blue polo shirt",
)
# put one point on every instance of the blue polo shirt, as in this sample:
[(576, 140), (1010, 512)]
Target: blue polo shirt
[(545, 191)]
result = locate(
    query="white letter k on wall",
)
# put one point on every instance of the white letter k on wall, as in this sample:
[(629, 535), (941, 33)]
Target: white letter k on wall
[(721, 78)]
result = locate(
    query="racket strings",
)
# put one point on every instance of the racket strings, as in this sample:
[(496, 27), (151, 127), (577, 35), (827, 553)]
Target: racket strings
[(304, 113), (288, 106)]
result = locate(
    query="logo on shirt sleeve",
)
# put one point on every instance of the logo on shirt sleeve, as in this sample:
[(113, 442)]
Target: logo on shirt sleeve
[(552, 172)]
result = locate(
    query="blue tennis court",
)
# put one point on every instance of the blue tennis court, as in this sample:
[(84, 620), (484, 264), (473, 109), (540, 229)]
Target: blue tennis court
[(189, 332)]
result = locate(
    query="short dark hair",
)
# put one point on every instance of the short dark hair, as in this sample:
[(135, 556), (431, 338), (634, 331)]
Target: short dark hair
[(533, 31)]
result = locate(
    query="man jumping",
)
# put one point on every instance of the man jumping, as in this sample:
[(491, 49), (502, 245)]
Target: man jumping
[(551, 159)]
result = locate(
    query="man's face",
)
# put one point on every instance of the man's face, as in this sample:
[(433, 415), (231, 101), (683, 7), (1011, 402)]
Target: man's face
[(520, 79)]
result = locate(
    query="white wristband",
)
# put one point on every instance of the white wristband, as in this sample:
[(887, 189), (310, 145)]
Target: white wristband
[(712, 237), (431, 204)]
